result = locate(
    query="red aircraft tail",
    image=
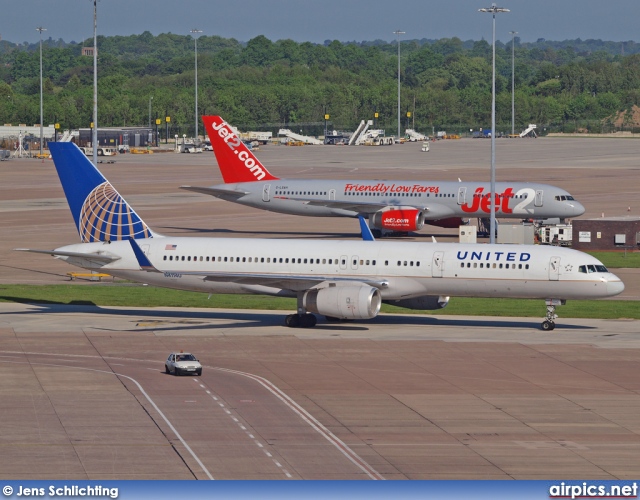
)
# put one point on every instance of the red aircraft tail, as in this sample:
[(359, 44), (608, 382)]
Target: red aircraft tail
[(236, 162)]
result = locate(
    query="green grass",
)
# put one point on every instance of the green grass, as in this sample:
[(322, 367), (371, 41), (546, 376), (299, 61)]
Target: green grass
[(118, 294), (615, 260)]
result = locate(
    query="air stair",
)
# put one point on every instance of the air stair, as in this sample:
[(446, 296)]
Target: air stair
[(529, 130), (359, 135), (414, 136), (298, 137)]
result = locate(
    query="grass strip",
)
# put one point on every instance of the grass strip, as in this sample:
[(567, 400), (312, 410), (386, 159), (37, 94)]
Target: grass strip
[(132, 295)]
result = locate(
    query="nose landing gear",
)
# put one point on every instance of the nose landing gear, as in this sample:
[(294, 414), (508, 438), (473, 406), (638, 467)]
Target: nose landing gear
[(550, 319)]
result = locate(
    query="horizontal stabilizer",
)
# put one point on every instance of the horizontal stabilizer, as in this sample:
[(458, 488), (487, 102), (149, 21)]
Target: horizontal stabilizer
[(100, 257), (217, 192)]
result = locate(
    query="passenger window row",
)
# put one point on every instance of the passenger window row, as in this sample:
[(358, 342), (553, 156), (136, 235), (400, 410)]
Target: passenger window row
[(307, 193), (269, 260), (286, 260), (391, 195)]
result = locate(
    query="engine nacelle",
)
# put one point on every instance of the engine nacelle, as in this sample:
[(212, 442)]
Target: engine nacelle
[(397, 219), (423, 303), (344, 302)]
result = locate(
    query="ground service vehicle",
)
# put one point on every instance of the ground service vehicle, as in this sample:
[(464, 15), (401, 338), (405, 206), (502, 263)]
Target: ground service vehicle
[(182, 363)]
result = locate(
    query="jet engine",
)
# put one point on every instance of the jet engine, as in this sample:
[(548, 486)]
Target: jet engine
[(397, 219), (423, 303), (344, 302)]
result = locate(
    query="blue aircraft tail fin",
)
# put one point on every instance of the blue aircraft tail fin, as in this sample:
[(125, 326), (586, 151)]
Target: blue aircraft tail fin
[(365, 230), (100, 213)]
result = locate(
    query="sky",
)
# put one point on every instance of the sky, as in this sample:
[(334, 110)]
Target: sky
[(320, 20)]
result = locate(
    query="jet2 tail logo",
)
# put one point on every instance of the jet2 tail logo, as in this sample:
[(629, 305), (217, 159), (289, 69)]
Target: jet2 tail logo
[(231, 140)]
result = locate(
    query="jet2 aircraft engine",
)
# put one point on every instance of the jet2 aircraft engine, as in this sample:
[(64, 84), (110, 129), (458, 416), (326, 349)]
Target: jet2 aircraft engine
[(344, 302), (398, 219)]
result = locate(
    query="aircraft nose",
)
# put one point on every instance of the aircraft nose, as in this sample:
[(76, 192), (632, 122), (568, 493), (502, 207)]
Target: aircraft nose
[(615, 286), (576, 208)]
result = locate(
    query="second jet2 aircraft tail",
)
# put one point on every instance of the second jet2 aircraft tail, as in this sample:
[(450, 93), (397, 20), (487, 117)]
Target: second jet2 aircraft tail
[(237, 163)]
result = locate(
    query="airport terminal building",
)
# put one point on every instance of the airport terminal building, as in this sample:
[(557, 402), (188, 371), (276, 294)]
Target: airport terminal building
[(133, 137)]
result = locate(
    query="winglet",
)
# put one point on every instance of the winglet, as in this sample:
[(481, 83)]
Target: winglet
[(143, 261), (367, 235), (236, 162)]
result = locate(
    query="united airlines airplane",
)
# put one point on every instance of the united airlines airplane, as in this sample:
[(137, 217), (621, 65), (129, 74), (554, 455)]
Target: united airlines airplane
[(336, 279), (390, 206)]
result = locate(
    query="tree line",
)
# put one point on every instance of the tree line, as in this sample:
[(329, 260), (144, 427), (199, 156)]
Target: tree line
[(261, 84)]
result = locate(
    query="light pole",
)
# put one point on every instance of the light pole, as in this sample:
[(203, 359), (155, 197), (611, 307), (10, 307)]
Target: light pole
[(492, 195), (513, 81), (195, 41), (398, 33), (94, 133), (150, 99), (40, 29)]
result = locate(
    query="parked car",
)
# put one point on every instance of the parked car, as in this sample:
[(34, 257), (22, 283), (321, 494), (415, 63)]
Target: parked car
[(181, 363)]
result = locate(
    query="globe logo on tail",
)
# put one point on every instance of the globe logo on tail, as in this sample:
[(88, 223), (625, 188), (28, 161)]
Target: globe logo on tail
[(105, 216)]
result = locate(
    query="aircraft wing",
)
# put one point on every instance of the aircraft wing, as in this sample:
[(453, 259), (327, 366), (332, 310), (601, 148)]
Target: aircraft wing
[(432, 211), (217, 192), (362, 207), (286, 281), (103, 258)]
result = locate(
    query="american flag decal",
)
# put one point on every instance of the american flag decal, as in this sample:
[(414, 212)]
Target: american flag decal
[(170, 247)]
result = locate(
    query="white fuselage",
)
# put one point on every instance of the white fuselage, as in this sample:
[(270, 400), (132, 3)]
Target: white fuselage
[(438, 199), (399, 269)]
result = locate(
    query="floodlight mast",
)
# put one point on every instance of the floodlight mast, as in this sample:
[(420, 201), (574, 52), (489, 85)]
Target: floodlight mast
[(40, 29), (398, 33), (195, 40), (513, 82), (492, 195), (94, 135)]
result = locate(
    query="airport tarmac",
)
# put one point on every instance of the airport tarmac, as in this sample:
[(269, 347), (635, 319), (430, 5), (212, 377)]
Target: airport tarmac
[(399, 397)]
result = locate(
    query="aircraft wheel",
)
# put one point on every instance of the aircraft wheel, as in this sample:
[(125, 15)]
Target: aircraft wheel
[(292, 321), (548, 325), (377, 233), (308, 321)]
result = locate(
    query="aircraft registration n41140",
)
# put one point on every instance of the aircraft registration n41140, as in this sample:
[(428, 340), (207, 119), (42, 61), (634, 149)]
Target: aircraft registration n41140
[(336, 279), (391, 206)]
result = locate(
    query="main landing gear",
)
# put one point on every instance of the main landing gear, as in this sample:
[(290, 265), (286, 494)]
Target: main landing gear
[(303, 319), (306, 320), (550, 320)]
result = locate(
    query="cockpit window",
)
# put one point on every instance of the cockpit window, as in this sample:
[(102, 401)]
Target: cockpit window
[(593, 268), (564, 197)]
